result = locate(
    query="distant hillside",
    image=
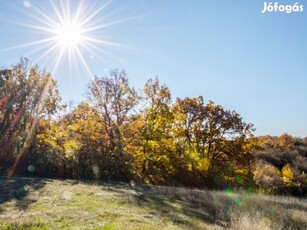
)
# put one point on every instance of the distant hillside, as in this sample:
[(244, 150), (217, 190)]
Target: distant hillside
[(281, 164)]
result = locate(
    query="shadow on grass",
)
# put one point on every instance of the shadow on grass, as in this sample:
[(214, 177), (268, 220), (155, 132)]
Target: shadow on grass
[(18, 189), (181, 213), (166, 206), (184, 206)]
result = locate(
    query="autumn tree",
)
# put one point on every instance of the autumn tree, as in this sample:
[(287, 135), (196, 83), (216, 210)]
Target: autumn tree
[(287, 175), (114, 99), (216, 141), (47, 157), (154, 144), (86, 143), (26, 95)]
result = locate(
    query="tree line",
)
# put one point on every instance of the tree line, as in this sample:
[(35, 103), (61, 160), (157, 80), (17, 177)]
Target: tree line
[(120, 133)]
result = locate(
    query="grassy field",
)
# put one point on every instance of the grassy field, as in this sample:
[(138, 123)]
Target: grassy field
[(69, 204)]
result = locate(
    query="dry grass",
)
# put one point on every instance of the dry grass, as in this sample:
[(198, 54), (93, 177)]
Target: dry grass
[(55, 204), (243, 211)]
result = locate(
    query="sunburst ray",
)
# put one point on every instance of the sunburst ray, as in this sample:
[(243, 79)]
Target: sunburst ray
[(69, 33)]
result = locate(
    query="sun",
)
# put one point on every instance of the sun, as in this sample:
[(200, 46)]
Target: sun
[(68, 35), (70, 32)]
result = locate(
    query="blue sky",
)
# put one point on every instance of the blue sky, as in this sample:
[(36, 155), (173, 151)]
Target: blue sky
[(226, 51)]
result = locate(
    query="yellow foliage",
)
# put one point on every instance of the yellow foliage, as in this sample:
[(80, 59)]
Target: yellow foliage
[(70, 147), (287, 174), (199, 163), (203, 164)]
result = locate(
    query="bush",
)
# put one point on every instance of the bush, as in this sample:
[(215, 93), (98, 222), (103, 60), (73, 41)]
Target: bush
[(267, 177)]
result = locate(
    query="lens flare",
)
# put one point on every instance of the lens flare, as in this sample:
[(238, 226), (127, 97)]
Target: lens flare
[(26, 4)]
